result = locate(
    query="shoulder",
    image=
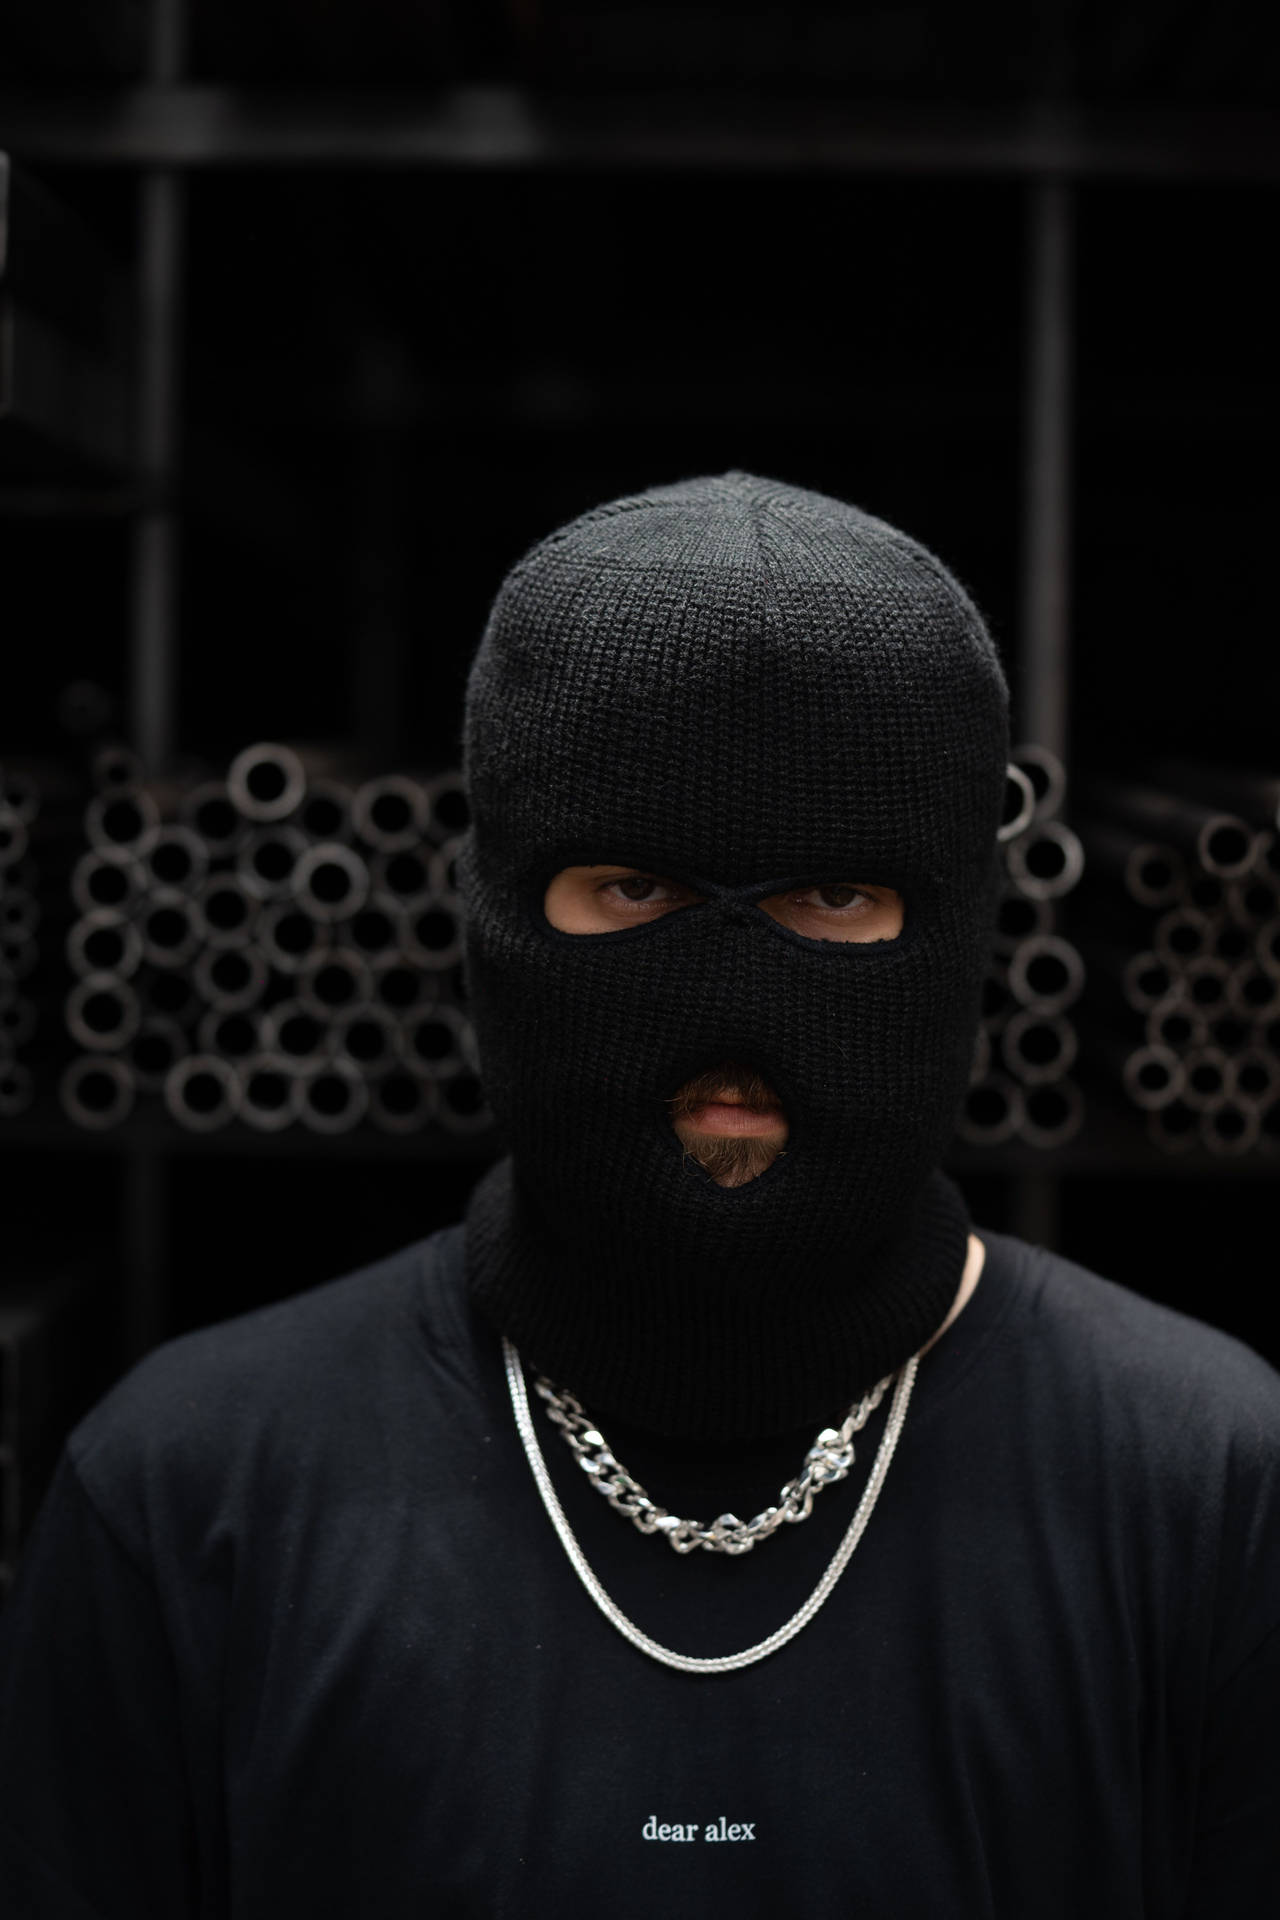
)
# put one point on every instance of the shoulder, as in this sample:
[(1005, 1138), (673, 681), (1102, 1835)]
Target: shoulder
[(252, 1385)]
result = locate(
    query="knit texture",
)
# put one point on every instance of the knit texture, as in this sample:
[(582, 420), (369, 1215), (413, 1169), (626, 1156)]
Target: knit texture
[(746, 687)]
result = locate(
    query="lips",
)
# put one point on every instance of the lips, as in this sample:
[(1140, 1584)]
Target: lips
[(734, 1116)]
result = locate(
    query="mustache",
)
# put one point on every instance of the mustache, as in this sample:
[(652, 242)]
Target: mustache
[(744, 1083)]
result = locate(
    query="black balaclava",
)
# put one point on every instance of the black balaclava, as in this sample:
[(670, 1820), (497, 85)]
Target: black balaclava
[(746, 687)]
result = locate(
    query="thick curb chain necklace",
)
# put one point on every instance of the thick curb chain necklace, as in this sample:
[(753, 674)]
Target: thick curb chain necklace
[(827, 1456)]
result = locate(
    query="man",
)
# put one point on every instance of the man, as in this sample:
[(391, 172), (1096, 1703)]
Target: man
[(935, 1575)]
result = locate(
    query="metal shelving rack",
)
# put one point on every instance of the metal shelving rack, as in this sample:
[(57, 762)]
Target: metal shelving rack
[(164, 127)]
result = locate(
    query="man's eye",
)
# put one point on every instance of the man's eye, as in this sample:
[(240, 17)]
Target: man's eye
[(841, 896), (638, 889)]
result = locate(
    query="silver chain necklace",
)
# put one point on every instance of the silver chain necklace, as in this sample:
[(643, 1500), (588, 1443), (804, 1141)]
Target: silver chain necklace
[(825, 1462)]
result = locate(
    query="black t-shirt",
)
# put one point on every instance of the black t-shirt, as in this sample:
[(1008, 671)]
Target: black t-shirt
[(294, 1635)]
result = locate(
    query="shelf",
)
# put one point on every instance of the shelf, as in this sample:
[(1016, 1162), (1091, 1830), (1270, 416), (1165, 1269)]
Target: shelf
[(1112, 1141), (486, 126)]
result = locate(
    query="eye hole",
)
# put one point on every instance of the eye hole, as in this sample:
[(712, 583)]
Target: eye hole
[(599, 899)]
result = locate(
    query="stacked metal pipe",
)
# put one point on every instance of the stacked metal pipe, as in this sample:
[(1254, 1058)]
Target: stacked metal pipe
[(37, 824), (276, 945), (1022, 1085), (1182, 936)]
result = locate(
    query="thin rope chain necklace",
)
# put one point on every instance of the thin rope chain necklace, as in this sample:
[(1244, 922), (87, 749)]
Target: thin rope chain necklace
[(730, 1662)]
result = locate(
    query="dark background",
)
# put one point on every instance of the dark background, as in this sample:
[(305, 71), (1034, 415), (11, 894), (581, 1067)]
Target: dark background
[(792, 241)]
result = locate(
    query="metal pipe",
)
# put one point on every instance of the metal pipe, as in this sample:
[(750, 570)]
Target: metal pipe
[(231, 1035), (1181, 934), (266, 1092), (981, 1063), (1048, 777), (1046, 972), (325, 810), (404, 877), (14, 838), (18, 1020), (1018, 807), (209, 811), (991, 1111), (197, 1092), (226, 912), (448, 810), (334, 1098), (461, 1106), (1175, 1128), (1252, 900), (96, 1090), (379, 927), (114, 767), (337, 981), (292, 1031), (369, 1040), (1175, 1024), (331, 881), (390, 812), (1206, 983), (1230, 1128), (435, 1040), (1253, 991), (400, 986), (1266, 944), (19, 912), (1151, 872), (176, 856), (104, 942), (102, 1012), (171, 929), (157, 1045), (18, 955), (109, 878), (1222, 842), (1018, 917), (1047, 861), (1150, 1075), (1210, 1077), (1266, 859), (1052, 1114), (1252, 793), (289, 938), (1266, 1033), (1229, 941), (1144, 978), (268, 781), (1036, 1047), (231, 978), (1257, 1073), (443, 868), (266, 861), (433, 936), (17, 1089), (402, 1102), (168, 991), (1207, 891), (122, 820), (1230, 1031)]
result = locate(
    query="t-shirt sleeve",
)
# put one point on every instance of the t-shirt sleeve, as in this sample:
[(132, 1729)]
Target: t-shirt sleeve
[(95, 1819)]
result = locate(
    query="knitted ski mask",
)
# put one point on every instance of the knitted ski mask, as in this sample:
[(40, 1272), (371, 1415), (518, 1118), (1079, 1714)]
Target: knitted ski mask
[(745, 687)]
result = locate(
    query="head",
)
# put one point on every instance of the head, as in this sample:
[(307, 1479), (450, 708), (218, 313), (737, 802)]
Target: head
[(736, 759)]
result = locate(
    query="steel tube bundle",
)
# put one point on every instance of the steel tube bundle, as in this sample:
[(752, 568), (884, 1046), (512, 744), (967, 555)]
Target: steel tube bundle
[(1221, 841)]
